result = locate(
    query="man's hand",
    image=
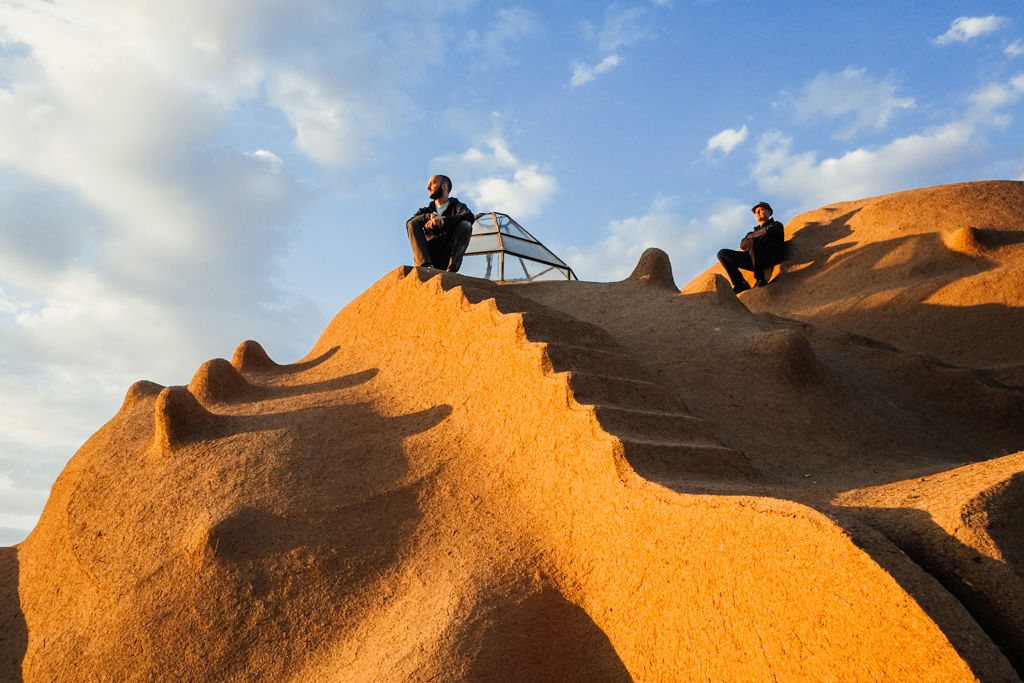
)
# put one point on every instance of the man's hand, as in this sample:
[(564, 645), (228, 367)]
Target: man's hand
[(432, 227)]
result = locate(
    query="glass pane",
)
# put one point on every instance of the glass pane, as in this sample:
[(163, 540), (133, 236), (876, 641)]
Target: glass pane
[(519, 269), (530, 250), (541, 271), (486, 266), (498, 239), (510, 227), (484, 225), (483, 243)]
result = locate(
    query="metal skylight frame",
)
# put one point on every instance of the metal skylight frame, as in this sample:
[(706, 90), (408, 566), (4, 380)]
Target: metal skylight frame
[(498, 234)]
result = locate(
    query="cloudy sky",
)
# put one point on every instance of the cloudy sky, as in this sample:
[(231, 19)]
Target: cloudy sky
[(177, 177)]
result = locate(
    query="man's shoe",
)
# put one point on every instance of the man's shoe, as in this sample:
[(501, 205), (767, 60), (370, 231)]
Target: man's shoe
[(742, 287), (760, 283)]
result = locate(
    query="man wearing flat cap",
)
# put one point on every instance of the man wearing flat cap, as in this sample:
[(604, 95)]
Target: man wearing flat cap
[(761, 248)]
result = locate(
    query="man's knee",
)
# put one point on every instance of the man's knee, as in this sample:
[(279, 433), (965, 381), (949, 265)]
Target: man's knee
[(460, 236)]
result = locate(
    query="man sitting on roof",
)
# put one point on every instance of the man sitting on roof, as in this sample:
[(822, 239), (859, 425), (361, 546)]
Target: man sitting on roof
[(439, 232), (761, 248)]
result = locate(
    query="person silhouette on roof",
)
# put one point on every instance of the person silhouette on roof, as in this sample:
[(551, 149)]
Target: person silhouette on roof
[(439, 232), (761, 248)]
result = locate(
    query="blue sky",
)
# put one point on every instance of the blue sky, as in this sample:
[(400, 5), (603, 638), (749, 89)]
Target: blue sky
[(178, 177)]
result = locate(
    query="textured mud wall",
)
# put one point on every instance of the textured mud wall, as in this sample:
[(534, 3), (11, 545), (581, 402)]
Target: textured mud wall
[(463, 481)]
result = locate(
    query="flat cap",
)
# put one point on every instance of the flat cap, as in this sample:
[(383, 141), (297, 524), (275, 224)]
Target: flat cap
[(764, 204)]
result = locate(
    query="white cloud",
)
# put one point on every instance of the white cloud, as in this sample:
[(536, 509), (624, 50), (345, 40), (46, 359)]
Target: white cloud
[(851, 95), (10, 535), (911, 161), (964, 29), (491, 47), (7, 305), (581, 73), (691, 243), (726, 141), (139, 236), (860, 173), (623, 26), (331, 127), (145, 56), (495, 180), (268, 157)]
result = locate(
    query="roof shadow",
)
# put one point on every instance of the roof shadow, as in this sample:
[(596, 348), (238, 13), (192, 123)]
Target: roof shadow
[(990, 590), (335, 384), (320, 523), (814, 245), (907, 271), (13, 629), (994, 238), (546, 638), (313, 362)]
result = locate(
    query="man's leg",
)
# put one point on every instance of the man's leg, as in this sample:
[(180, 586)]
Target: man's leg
[(758, 260), (763, 256), (418, 242), (732, 261), (459, 243)]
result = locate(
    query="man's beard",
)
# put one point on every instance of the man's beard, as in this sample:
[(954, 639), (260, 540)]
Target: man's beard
[(436, 194)]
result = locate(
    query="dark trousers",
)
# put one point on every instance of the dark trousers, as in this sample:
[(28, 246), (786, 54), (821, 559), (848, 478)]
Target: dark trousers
[(442, 251), (758, 257)]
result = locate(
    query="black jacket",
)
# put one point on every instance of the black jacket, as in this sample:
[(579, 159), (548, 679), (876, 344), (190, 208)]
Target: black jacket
[(772, 232), (454, 213)]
